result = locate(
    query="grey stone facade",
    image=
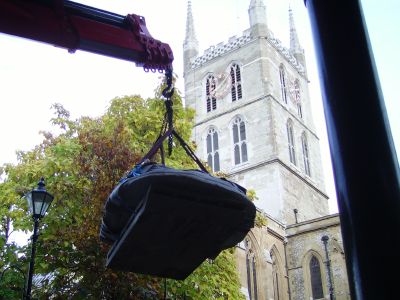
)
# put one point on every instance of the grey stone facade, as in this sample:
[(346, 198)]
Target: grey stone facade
[(247, 93)]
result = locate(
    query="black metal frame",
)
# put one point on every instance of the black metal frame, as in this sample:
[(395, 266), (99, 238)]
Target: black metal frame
[(35, 235), (364, 159)]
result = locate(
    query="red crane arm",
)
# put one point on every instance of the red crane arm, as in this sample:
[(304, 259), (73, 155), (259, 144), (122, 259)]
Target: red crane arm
[(75, 26)]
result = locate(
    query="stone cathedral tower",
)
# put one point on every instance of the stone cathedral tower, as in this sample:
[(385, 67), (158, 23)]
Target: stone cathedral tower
[(254, 122), (253, 116)]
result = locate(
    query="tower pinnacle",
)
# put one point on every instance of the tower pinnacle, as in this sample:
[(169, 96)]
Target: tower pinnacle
[(295, 48), (258, 18), (294, 39), (190, 37), (190, 44)]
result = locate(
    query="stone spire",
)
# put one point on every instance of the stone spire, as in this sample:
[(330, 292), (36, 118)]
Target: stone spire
[(190, 38), (295, 49), (294, 39), (190, 44), (258, 18)]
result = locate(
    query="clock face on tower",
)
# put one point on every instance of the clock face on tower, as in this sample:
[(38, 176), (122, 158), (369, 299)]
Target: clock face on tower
[(222, 86), (294, 90)]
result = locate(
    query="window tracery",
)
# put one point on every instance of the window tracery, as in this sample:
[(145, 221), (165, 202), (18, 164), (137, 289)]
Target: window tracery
[(316, 279), (213, 150), (306, 155), (283, 80), (236, 82), (239, 141), (276, 276), (297, 97), (290, 136), (251, 271), (211, 100)]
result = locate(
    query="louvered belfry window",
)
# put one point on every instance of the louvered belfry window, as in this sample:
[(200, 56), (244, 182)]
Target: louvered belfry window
[(236, 82), (211, 99), (282, 77), (297, 96)]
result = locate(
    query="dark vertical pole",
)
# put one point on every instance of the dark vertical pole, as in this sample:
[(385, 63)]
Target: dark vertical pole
[(165, 288), (325, 239), (365, 165), (287, 269), (32, 262), (295, 214)]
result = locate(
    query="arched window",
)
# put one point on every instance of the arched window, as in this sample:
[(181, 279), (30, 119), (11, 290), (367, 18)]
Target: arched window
[(239, 141), (212, 150), (251, 272), (306, 154), (316, 279), (297, 96), (211, 85), (282, 77), (236, 81), (290, 135), (276, 276)]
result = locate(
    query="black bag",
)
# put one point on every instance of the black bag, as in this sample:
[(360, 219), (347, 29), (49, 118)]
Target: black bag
[(166, 222)]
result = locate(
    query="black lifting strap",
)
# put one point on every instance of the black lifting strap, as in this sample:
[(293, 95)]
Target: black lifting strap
[(158, 145), (168, 131)]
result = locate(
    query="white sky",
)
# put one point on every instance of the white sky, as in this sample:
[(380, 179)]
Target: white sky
[(34, 75)]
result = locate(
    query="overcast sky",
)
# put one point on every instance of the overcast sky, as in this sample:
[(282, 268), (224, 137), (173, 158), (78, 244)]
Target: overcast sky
[(34, 75)]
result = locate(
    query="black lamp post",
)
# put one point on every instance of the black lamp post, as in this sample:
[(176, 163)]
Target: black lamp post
[(325, 240), (39, 201)]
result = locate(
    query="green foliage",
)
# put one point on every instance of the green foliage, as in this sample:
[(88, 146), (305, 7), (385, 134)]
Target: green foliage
[(12, 283), (260, 220), (214, 279), (81, 166)]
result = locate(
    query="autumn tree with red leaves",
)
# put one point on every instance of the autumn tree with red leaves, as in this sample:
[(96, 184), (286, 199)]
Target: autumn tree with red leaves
[(81, 166)]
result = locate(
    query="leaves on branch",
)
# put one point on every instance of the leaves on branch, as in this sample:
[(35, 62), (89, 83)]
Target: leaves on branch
[(81, 166)]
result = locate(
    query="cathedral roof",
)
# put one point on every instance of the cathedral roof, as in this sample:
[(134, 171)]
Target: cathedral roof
[(277, 44), (237, 42), (221, 48)]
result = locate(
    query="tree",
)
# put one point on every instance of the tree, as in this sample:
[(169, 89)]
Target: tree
[(81, 166)]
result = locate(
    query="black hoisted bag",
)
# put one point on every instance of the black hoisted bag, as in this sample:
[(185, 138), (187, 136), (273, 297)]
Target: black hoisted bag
[(166, 222)]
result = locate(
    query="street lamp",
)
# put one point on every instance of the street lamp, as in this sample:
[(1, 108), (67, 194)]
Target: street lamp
[(39, 201), (325, 240)]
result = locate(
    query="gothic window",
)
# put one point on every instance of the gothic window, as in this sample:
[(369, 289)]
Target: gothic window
[(299, 110), (236, 83), (251, 272), (290, 136), (212, 150), (306, 154), (297, 97), (276, 277), (211, 99), (239, 141), (283, 79), (316, 279)]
